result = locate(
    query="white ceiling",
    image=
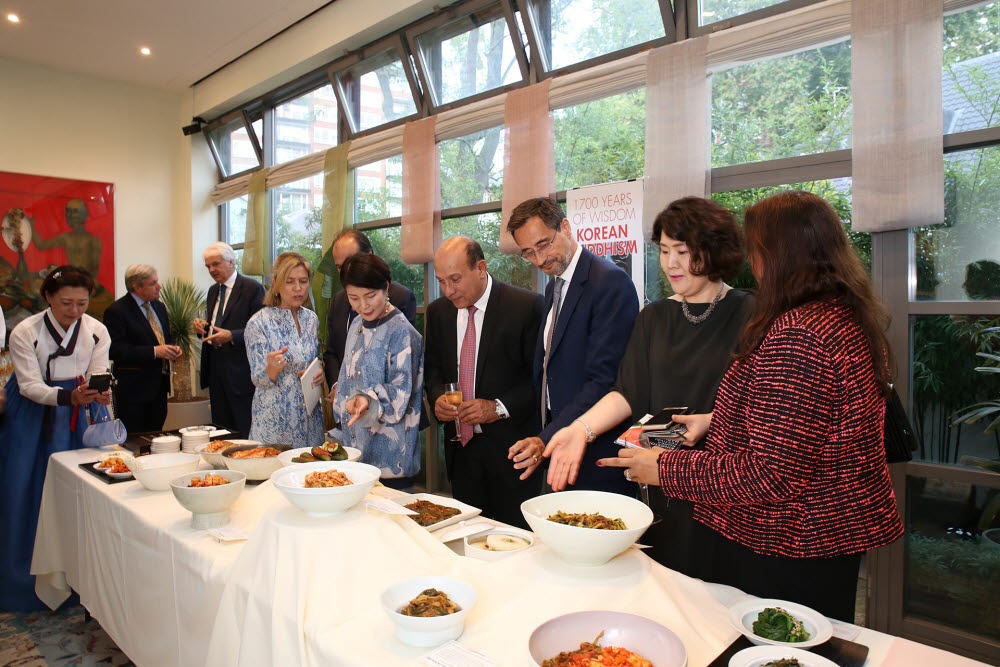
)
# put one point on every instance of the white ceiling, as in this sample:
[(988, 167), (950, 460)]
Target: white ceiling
[(189, 38)]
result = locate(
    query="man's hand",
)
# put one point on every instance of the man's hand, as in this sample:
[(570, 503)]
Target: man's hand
[(565, 451), (445, 411), (478, 411), (199, 325), (219, 336), (168, 352), (527, 455)]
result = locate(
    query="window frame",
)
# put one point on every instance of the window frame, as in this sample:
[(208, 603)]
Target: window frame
[(238, 114), (692, 10)]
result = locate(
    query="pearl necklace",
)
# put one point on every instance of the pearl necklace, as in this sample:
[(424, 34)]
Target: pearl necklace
[(704, 316)]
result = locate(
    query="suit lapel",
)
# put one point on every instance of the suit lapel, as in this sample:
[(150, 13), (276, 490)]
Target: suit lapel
[(493, 311), (228, 304), (213, 296), (449, 331), (573, 293), (140, 315)]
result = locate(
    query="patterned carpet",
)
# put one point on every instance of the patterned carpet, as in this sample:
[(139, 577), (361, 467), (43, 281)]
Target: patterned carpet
[(51, 639)]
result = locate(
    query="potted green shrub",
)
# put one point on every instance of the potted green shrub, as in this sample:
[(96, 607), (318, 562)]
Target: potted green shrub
[(184, 302)]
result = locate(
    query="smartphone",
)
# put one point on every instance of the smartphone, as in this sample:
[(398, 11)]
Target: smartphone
[(662, 419), (100, 381)]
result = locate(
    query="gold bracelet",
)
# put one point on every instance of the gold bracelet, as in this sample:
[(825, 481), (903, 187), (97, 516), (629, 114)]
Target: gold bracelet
[(590, 432)]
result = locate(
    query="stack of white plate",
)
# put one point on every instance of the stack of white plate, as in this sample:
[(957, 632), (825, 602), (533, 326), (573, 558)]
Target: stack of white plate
[(165, 444), (194, 437)]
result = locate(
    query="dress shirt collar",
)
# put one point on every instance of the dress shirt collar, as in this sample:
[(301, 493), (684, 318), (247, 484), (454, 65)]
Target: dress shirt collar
[(567, 275), (138, 301), (485, 298), (230, 281)]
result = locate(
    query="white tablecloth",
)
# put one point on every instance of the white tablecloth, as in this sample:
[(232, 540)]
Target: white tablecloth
[(305, 590)]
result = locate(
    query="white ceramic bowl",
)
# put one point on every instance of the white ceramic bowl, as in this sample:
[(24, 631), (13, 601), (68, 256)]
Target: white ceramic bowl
[(325, 501), (479, 553), (432, 631), (743, 614), (156, 470), (209, 505), (638, 634), (587, 546), (756, 656), (257, 470), (215, 458), (286, 457)]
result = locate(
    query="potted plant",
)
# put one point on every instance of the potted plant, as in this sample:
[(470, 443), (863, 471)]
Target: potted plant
[(184, 302)]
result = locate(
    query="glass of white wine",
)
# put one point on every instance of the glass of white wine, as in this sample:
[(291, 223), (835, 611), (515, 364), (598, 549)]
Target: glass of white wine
[(453, 394)]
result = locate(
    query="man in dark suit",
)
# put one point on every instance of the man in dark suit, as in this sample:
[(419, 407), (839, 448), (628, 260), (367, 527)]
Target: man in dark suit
[(348, 243), (141, 349), (482, 334), (590, 307), (232, 300)]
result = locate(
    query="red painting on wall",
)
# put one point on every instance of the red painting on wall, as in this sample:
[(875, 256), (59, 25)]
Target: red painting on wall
[(48, 222)]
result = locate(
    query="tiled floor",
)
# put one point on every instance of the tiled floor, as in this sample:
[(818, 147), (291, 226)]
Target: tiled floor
[(55, 639)]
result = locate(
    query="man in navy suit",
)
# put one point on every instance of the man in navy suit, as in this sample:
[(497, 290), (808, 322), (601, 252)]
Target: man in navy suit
[(141, 349), (492, 327), (590, 308), (232, 300)]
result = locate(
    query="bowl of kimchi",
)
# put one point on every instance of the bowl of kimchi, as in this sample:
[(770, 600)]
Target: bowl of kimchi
[(258, 461), (610, 637), (325, 487), (587, 527), (428, 611)]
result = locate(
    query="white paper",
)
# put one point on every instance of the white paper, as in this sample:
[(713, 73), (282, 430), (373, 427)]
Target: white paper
[(845, 630), (454, 654), (312, 392), (229, 533), (387, 506)]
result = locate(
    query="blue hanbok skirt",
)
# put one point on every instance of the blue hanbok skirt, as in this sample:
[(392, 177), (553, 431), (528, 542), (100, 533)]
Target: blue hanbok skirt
[(24, 456)]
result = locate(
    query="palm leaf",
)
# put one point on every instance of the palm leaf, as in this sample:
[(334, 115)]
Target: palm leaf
[(184, 302)]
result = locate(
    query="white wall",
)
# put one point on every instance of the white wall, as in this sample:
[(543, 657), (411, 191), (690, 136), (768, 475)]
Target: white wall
[(57, 123)]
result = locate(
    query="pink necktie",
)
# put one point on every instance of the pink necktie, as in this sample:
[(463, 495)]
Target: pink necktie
[(467, 370)]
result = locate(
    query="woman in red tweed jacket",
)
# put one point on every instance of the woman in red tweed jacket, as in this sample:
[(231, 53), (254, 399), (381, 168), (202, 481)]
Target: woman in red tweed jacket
[(793, 481)]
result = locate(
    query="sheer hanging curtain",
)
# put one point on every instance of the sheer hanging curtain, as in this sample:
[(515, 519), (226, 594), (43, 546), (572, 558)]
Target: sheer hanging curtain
[(421, 224), (258, 241), (337, 209)]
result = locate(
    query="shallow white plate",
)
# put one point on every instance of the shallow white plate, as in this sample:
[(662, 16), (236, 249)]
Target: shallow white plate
[(742, 616), (114, 475), (465, 511), (756, 656)]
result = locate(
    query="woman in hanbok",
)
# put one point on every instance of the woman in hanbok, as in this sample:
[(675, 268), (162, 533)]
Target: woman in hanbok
[(281, 340), (54, 353), (379, 391)]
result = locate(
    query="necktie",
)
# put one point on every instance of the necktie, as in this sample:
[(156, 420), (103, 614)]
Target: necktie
[(221, 306), (556, 302), (467, 370), (154, 324)]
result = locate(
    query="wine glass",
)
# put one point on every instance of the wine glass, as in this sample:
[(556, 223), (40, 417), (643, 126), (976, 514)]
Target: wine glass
[(453, 394)]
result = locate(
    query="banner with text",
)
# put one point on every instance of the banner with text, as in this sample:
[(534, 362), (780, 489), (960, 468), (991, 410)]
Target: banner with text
[(607, 220)]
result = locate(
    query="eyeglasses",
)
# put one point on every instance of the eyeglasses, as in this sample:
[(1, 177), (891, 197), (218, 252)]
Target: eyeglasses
[(540, 248)]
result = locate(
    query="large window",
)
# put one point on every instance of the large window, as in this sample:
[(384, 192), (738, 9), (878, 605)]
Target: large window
[(472, 168), (376, 91), (971, 78), (235, 151), (486, 229), (379, 189), (305, 125), (298, 217)]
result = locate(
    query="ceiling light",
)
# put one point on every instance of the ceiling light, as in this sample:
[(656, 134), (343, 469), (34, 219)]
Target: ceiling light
[(13, 18), (144, 50)]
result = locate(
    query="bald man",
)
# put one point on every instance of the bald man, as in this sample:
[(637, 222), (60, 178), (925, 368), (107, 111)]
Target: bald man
[(481, 333)]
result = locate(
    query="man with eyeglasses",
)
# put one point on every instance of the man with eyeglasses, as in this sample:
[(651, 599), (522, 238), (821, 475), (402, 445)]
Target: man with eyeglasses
[(590, 309)]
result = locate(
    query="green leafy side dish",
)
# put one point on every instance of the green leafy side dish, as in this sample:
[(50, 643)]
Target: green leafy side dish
[(783, 662), (778, 625)]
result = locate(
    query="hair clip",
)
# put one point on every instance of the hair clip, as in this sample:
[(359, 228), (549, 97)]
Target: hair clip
[(56, 275)]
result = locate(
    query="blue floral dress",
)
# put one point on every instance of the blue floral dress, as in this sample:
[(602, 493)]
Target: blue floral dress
[(279, 411), (384, 360)]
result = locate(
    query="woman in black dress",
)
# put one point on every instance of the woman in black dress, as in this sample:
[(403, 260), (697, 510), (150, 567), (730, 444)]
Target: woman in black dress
[(678, 352)]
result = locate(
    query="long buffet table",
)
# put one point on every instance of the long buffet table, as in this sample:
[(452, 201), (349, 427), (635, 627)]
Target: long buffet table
[(305, 590)]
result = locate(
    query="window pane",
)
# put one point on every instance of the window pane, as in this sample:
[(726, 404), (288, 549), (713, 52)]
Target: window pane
[(952, 570), (572, 31), (601, 141), (945, 382), (486, 229), (377, 91), (386, 244), (795, 105), (234, 214), (960, 259), (472, 168), (298, 217), (234, 147), (379, 187), (971, 76), (719, 10), (469, 55), (305, 125)]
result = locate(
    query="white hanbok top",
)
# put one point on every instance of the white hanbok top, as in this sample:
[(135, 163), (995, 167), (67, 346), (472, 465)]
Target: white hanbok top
[(32, 344)]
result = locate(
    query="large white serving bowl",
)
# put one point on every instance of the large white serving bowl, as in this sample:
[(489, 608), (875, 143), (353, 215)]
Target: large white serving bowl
[(587, 546), (435, 630), (209, 505), (286, 457), (325, 501), (257, 470), (743, 614), (215, 459), (755, 656), (156, 470), (634, 633)]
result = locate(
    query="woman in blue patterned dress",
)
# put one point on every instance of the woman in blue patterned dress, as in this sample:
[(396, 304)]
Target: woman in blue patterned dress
[(378, 394), (281, 340)]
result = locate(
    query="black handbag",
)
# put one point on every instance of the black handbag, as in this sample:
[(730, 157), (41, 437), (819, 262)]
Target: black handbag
[(900, 441)]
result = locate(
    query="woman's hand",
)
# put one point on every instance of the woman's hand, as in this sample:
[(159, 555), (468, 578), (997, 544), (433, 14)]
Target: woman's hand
[(357, 407), (84, 395), (642, 464), (527, 455), (697, 426), (565, 451), (105, 398), (276, 363), (317, 378)]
